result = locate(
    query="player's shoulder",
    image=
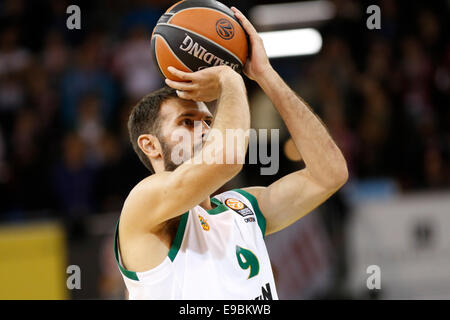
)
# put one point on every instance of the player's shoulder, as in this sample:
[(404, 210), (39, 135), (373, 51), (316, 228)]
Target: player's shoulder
[(146, 191), (254, 191), (249, 193), (152, 183)]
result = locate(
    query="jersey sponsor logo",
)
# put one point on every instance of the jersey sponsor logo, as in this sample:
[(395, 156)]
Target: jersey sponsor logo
[(266, 293), (239, 207), (203, 222)]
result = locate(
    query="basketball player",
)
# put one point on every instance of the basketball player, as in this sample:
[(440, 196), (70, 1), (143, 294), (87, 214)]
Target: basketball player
[(173, 241)]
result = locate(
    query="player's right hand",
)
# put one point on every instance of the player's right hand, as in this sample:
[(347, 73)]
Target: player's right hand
[(204, 85), (257, 64)]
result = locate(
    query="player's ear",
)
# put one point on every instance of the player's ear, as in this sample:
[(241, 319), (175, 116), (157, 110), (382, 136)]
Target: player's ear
[(149, 144)]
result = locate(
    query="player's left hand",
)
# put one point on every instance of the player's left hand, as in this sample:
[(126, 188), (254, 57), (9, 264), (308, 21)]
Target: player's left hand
[(257, 63), (203, 85)]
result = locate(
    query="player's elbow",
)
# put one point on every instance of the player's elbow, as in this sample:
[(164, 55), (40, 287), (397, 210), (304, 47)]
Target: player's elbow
[(229, 170), (233, 161), (334, 177), (342, 177), (339, 176)]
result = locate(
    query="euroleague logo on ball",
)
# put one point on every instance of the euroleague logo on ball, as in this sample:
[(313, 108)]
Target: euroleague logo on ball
[(225, 29)]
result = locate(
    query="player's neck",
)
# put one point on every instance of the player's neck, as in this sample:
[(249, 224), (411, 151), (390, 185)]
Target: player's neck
[(206, 204)]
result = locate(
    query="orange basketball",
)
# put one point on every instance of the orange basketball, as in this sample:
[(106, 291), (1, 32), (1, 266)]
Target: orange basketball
[(197, 34)]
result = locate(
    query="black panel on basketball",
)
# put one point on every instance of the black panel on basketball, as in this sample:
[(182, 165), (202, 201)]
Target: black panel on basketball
[(164, 18), (195, 51), (203, 4), (197, 34)]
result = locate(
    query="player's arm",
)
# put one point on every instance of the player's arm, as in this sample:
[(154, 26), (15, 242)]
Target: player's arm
[(165, 195), (296, 194)]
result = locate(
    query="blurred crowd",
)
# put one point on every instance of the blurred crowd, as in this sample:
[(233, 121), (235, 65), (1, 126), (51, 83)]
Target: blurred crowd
[(65, 96), (384, 94)]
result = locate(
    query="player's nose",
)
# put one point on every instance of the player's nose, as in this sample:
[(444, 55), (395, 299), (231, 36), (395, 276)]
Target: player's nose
[(205, 129)]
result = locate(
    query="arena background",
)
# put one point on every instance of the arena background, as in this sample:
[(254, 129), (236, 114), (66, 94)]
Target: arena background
[(66, 164)]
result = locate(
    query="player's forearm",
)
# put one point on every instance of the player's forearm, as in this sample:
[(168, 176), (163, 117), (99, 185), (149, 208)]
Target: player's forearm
[(322, 157), (232, 106), (232, 115), (232, 118)]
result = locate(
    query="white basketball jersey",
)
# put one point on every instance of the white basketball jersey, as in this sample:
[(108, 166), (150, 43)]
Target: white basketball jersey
[(216, 254)]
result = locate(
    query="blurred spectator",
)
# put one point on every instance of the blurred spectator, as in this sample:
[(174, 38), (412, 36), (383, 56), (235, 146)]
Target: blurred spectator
[(13, 61), (29, 183), (429, 31), (143, 13), (41, 97), (12, 57), (110, 191), (374, 130), (111, 285), (88, 77), (73, 179), (55, 54), (134, 64), (12, 93), (416, 68), (90, 128), (5, 175)]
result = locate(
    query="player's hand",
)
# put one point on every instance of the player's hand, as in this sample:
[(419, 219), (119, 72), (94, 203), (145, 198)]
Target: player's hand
[(257, 63), (204, 85)]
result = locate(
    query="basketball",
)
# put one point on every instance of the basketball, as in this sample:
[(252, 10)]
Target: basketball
[(196, 34)]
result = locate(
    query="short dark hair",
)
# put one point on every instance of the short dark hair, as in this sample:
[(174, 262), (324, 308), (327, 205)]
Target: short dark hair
[(144, 119)]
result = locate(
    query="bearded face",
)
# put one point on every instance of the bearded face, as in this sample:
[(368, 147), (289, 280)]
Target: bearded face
[(184, 127)]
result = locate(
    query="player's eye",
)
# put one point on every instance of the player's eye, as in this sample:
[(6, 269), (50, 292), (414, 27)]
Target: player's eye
[(187, 122)]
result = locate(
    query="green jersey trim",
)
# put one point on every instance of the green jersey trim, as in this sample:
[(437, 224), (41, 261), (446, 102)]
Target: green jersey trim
[(176, 244), (129, 274), (259, 216), (220, 207), (172, 252)]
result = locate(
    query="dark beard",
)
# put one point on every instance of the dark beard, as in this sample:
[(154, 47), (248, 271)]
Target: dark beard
[(169, 165)]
